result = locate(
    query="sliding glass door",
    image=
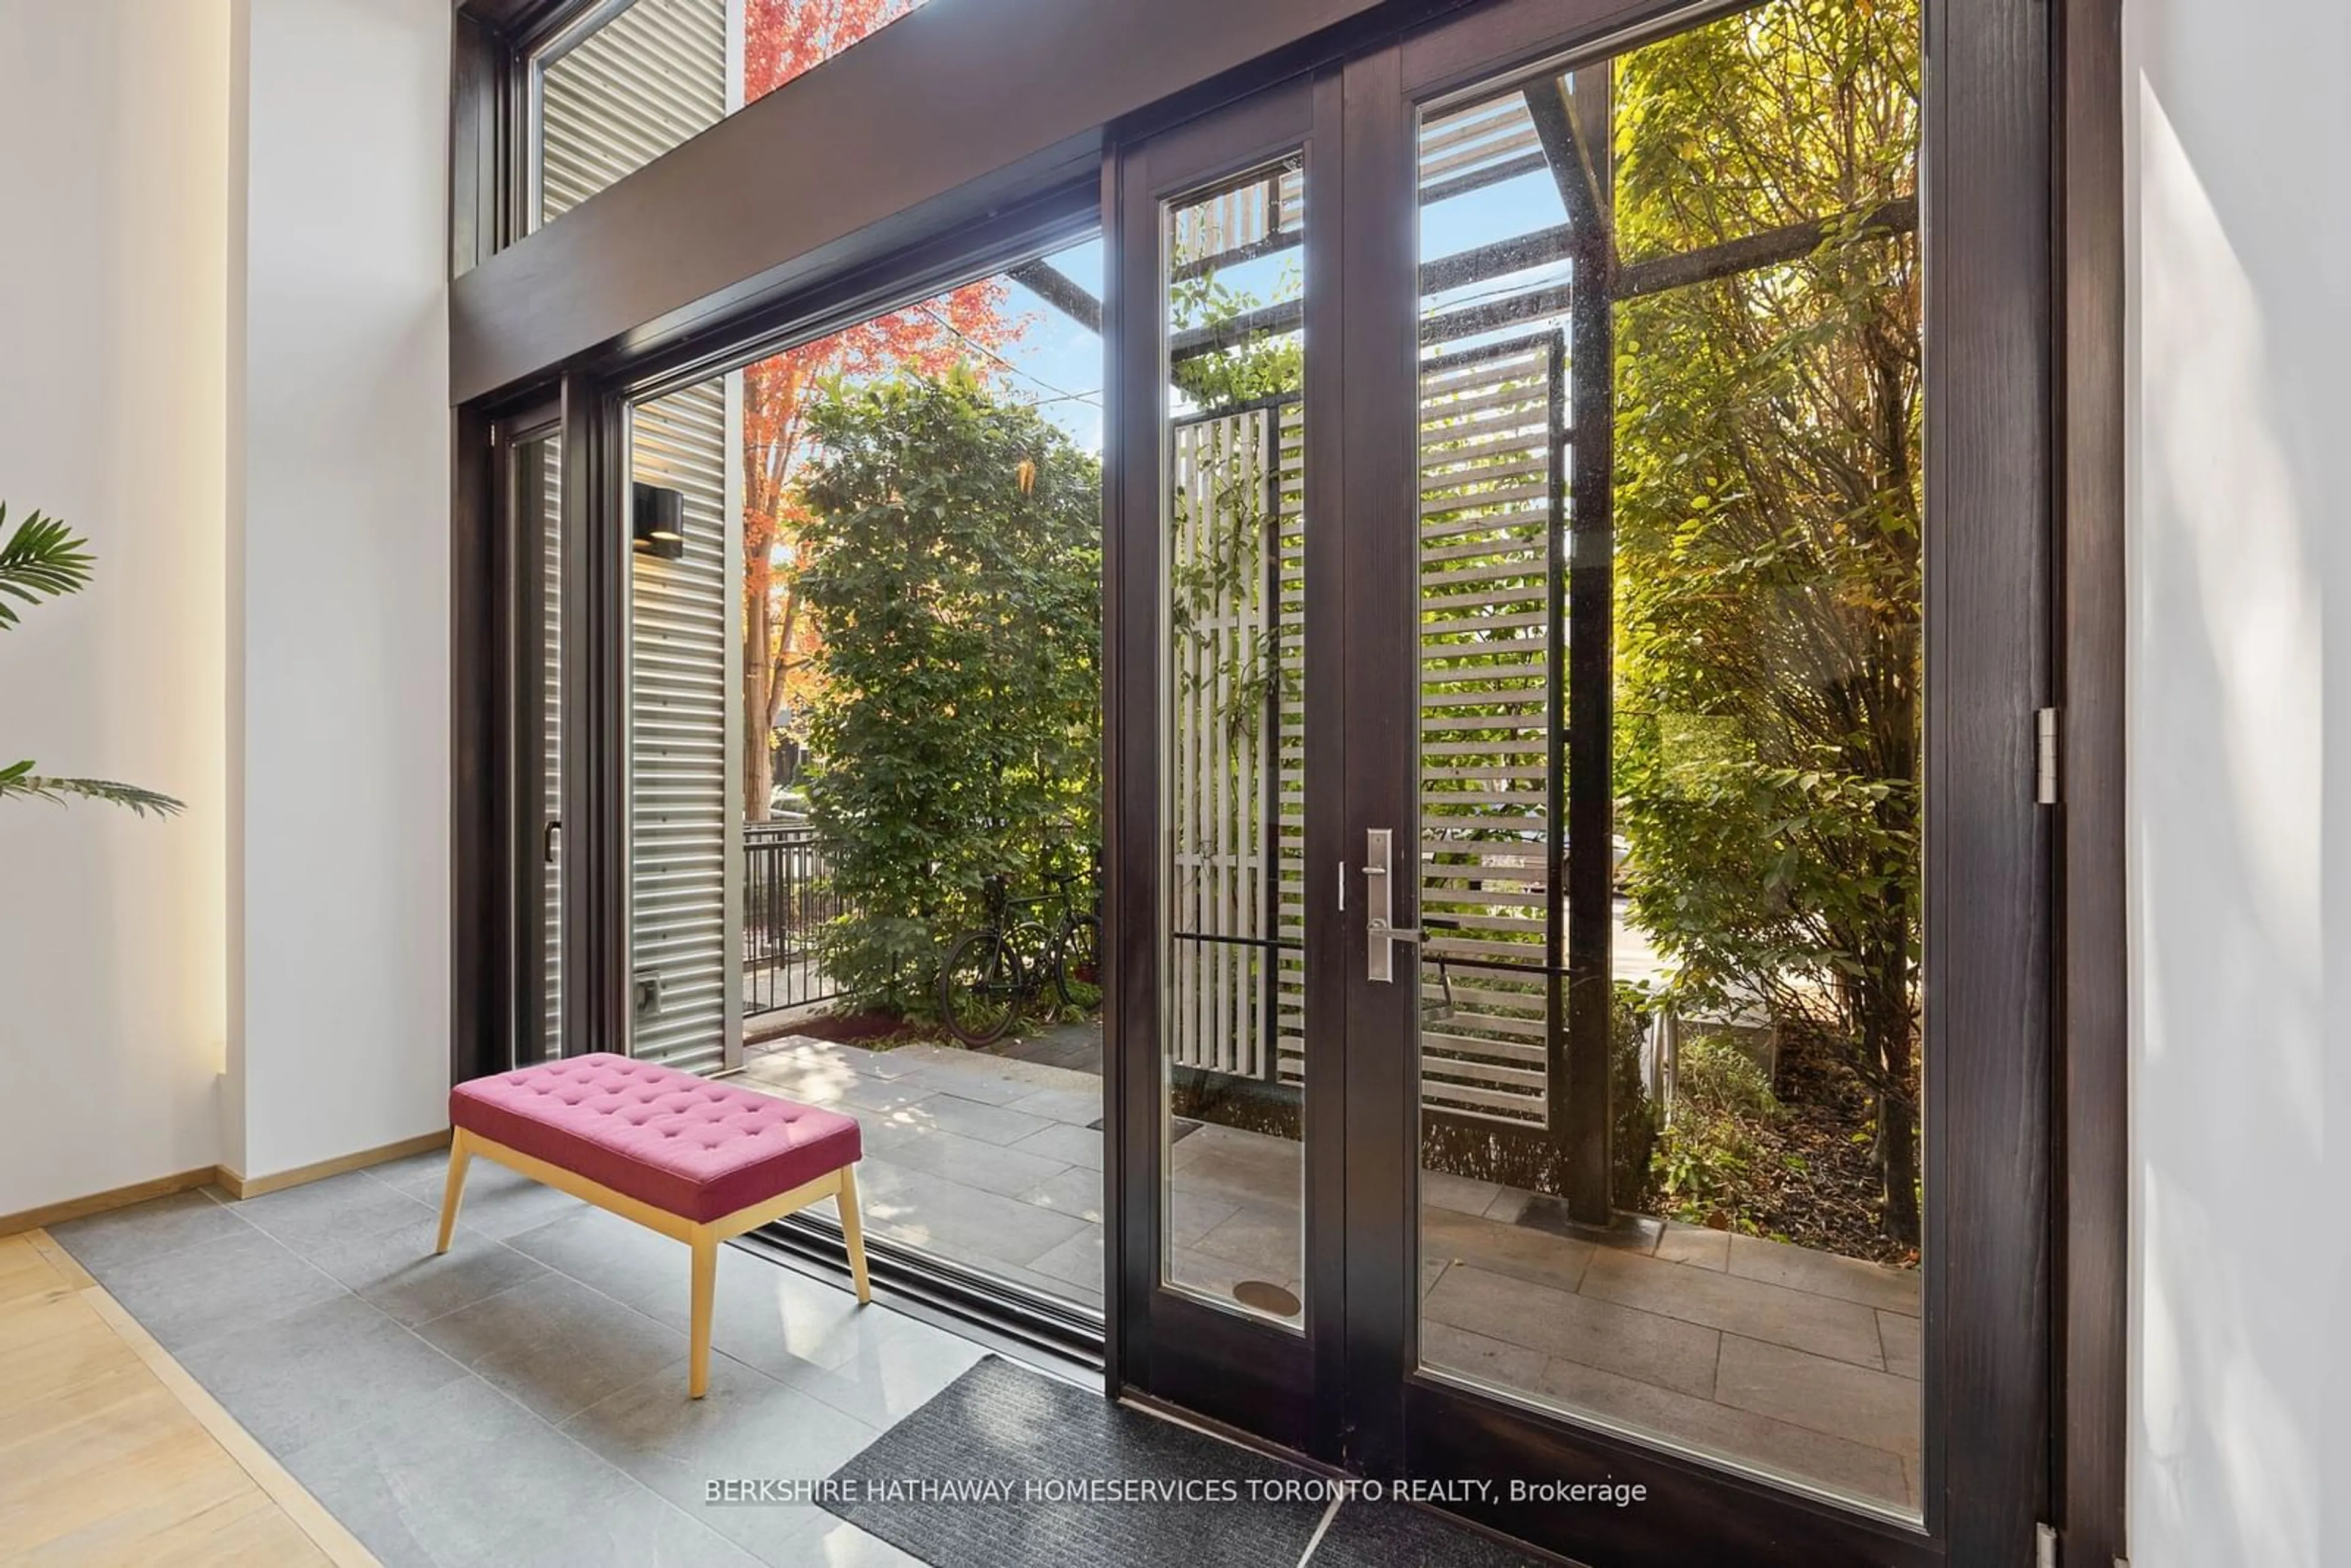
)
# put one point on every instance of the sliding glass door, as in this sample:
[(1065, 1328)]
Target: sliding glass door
[(1580, 593)]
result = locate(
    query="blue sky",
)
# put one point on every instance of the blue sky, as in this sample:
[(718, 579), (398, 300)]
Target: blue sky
[(1056, 362)]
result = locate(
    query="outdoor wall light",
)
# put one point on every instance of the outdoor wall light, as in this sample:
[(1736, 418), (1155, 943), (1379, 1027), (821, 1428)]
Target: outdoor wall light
[(657, 521)]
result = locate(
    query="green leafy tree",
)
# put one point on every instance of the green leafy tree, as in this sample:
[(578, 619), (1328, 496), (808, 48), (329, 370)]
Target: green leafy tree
[(43, 559), (952, 554), (1767, 514)]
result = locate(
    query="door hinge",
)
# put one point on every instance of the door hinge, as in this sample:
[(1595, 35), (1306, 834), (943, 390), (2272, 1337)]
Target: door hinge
[(2045, 1536), (2045, 757)]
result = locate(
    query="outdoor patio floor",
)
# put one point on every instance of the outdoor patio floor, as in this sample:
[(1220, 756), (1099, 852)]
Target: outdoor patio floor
[(1799, 1362)]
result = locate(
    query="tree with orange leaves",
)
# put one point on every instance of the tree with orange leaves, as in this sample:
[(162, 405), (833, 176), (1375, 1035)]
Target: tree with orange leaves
[(968, 325)]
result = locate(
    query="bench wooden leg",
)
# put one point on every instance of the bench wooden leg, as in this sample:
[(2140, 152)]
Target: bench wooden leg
[(704, 1242), (852, 1231), (453, 1191)]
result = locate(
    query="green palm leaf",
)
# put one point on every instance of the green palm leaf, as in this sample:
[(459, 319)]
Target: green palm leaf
[(18, 779), (41, 559)]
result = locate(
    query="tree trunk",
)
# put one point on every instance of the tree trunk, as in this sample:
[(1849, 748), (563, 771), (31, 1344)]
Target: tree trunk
[(758, 700), (1891, 1021), (1897, 1121), (1898, 1108)]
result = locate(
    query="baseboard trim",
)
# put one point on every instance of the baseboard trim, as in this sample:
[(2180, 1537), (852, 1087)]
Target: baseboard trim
[(100, 1202), (242, 1187), (227, 1180)]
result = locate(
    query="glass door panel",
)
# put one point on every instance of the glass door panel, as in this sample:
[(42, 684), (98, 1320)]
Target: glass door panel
[(1670, 789), (1233, 526)]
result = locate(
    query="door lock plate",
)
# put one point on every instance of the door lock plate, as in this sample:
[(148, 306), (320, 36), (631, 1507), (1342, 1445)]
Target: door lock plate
[(1380, 930)]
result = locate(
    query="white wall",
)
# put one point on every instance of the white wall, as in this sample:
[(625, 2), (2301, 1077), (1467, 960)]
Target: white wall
[(113, 224), (2239, 207), (222, 357), (339, 701)]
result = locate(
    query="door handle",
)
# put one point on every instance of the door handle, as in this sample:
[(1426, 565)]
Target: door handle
[(1380, 930)]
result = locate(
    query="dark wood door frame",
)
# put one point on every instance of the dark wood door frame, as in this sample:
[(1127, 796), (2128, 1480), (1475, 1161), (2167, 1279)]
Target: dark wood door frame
[(2091, 1217), (495, 831), (955, 111), (481, 763), (489, 589), (515, 339)]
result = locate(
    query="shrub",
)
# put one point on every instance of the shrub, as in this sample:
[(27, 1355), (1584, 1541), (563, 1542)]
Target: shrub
[(1707, 1149), (952, 559)]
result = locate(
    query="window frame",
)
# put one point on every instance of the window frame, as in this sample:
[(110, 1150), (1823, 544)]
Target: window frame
[(499, 51)]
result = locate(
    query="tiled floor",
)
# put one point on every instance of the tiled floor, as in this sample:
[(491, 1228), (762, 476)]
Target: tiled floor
[(1798, 1362), (523, 1399)]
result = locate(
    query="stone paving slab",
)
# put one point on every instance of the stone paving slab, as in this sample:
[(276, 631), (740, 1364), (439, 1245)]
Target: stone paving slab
[(1771, 1355)]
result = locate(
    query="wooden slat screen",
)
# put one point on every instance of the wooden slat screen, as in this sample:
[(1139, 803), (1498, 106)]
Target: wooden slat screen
[(1237, 744), (1489, 732)]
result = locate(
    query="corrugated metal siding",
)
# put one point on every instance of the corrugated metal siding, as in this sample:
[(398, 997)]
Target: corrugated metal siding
[(650, 78), (682, 807)]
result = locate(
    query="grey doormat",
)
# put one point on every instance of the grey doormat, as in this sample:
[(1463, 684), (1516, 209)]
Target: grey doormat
[(1082, 1475)]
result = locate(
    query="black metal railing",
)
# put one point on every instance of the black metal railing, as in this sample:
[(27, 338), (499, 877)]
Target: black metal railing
[(788, 897)]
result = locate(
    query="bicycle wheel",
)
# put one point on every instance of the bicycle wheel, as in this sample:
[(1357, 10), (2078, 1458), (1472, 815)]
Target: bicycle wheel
[(981, 987), (1077, 968)]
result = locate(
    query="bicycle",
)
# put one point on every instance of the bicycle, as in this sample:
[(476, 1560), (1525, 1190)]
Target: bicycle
[(991, 975)]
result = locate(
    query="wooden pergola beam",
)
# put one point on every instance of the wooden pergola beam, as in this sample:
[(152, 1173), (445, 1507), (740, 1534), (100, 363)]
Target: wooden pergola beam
[(1055, 289), (1769, 248)]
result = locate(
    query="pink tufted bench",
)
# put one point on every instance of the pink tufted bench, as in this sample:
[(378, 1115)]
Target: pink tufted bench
[(690, 1158)]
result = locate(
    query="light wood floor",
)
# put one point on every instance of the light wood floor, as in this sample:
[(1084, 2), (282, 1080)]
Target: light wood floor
[(109, 1453)]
